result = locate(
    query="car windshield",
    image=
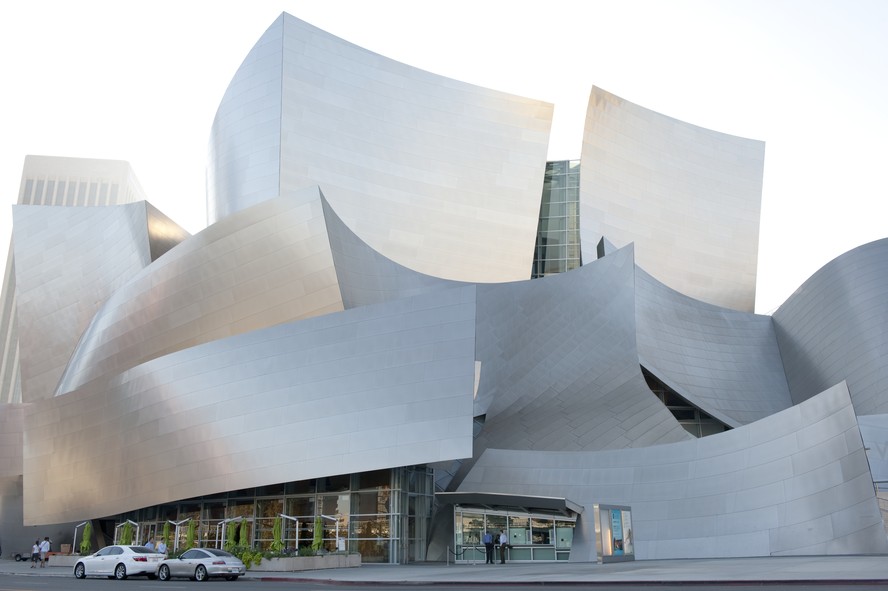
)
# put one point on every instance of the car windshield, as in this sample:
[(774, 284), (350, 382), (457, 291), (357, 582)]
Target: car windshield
[(142, 550), (215, 552)]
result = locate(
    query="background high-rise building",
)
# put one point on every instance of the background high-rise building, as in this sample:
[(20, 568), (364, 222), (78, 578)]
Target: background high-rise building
[(58, 181)]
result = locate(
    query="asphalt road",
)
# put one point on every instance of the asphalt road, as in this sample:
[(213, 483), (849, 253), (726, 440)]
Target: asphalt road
[(31, 583)]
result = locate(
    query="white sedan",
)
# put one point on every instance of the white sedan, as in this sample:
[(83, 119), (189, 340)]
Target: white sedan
[(200, 564), (119, 562)]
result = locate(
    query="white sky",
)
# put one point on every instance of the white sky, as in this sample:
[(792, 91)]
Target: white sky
[(141, 81)]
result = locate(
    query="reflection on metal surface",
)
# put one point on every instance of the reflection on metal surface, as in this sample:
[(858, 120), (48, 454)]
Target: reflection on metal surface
[(794, 483), (374, 387), (69, 260), (833, 328), (263, 266), (438, 175), (688, 197)]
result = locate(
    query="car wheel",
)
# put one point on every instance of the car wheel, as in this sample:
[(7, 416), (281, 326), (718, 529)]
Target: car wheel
[(231, 578), (163, 573), (18, 557), (120, 572), (79, 571), (200, 573)]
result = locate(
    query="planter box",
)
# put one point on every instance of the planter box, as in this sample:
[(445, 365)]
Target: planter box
[(300, 563)]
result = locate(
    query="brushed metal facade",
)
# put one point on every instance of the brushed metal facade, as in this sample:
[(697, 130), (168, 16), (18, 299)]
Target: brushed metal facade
[(365, 276), (559, 366), (725, 362), (68, 261), (56, 180), (12, 426), (833, 328), (438, 175), (361, 303), (559, 369), (688, 197), (364, 389), (794, 483), (260, 267), (874, 430)]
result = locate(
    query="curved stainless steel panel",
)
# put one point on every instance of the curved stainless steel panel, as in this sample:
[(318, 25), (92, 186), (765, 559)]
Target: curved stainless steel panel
[(794, 483), (266, 265), (874, 430), (53, 180), (12, 425), (243, 164), (725, 362), (68, 261), (833, 328), (369, 388), (559, 367), (366, 277), (440, 176), (688, 197)]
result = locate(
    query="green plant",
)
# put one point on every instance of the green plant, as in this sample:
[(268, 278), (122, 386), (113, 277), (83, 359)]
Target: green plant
[(230, 533), (277, 543), (248, 556), (126, 537), (318, 540), (166, 534), (189, 537), (86, 542), (243, 538), (306, 551)]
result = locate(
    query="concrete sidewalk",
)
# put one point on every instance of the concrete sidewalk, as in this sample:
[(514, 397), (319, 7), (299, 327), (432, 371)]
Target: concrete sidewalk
[(810, 569)]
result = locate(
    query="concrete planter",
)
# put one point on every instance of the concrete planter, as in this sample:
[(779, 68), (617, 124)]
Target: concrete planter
[(65, 560), (300, 563)]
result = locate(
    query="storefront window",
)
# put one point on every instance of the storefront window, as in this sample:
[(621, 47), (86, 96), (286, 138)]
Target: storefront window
[(532, 537), (384, 514)]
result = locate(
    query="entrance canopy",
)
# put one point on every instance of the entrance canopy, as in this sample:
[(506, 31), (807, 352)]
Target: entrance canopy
[(519, 503)]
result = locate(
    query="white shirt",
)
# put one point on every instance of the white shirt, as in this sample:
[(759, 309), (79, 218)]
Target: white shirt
[(504, 539), (44, 546)]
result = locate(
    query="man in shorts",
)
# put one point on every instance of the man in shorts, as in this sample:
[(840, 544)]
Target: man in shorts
[(44, 550)]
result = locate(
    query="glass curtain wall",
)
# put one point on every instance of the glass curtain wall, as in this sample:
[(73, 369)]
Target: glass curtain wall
[(385, 515), (557, 247), (533, 537)]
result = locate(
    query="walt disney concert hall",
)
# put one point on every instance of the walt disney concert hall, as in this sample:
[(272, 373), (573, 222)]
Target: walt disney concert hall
[(405, 324)]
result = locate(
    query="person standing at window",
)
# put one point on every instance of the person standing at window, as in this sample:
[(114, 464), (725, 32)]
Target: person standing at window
[(487, 539)]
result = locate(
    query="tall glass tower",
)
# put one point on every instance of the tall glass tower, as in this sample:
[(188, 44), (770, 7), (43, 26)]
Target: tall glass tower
[(557, 246)]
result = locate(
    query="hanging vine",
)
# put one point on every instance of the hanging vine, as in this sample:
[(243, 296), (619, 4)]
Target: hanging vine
[(86, 541)]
